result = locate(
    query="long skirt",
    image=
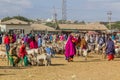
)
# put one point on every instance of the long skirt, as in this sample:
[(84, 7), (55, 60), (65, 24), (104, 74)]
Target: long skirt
[(110, 57)]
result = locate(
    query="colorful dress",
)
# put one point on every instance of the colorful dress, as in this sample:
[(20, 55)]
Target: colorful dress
[(70, 49), (83, 43), (22, 51), (22, 54)]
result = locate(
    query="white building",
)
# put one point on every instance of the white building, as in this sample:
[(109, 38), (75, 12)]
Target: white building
[(15, 25)]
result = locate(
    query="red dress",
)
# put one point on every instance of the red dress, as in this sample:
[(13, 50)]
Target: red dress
[(22, 51)]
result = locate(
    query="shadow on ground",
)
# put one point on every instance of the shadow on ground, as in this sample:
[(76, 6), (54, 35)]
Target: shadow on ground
[(93, 60), (10, 67), (59, 57), (6, 74), (58, 64)]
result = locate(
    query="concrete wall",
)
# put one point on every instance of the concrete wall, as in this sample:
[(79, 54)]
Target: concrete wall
[(3, 28), (26, 28)]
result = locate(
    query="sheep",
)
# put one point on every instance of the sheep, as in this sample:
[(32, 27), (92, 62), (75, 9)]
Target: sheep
[(97, 49), (3, 55), (2, 47), (31, 59), (104, 52), (44, 58), (58, 50), (100, 49), (33, 56), (117, 52), (85, 53), (30, 51)]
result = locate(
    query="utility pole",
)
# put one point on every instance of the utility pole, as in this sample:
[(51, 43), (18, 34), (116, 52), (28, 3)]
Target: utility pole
[(109, 13), (64, 10)]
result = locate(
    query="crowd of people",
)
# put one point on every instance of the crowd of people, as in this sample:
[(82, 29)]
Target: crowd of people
[(73, 44), (29, 41), (105, 44)]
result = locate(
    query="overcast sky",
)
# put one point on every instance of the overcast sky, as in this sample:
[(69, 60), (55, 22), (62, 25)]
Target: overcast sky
[(87, 10)]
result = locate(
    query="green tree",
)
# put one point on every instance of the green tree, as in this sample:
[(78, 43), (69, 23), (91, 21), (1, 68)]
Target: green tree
[(6, 18), (22, 18), (82, 22), (17, 17), (115, 25), (76, 22), (62, 21), (50, 24)]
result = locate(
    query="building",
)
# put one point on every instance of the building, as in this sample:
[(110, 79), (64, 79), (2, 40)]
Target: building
[(18, 26), (15, 25), (70, 27), (42, 28), (83, 27)]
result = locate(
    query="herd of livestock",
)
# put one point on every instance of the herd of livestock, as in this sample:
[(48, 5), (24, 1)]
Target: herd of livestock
[(40, 56)]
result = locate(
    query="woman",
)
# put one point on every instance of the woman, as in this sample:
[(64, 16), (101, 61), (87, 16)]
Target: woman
[(25, 39), (33, 43), (22, 54), (110, 49), (83, 43), (14, 38), (70, 50)]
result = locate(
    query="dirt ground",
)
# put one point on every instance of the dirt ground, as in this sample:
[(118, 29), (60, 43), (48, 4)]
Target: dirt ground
[(95, 68)]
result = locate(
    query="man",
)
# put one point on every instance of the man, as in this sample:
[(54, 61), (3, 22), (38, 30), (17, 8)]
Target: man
[(0, 39), (7, 44), (100, 43), (39, 41), (14, 59), (110, 49)]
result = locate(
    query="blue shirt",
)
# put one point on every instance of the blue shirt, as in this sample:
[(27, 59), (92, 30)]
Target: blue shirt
[(48, 50)]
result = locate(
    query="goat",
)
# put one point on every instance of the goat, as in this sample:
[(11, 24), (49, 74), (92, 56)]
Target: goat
[(85, 53), (44, 58), (117, 51), (31, 59)]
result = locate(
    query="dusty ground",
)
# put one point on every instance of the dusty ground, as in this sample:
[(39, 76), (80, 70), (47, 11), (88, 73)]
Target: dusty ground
[(93, 69)]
